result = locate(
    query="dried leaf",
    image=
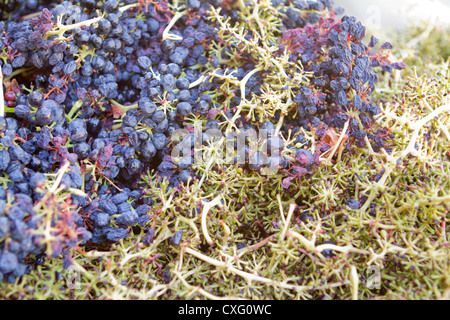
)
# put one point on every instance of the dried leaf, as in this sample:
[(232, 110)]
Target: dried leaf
[(287, 182), (117, 112), (105, 156), (11, 85), (332, 138)]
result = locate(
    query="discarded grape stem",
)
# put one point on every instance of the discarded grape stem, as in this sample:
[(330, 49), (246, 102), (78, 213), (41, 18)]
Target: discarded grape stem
[(2, 97)]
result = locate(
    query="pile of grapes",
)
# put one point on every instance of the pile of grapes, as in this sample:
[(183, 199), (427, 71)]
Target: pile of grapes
[(93, 92)]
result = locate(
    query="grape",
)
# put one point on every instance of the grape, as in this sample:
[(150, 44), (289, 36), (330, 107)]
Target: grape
[(115, 235), (184, 109), (128, 218)]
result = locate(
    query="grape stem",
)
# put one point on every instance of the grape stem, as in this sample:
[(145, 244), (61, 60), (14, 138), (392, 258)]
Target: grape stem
[(197, 82), (124, 108), (242, 6), (232, 122), (59, 177), (410, 150), (254, 277), (166, 33), (129, 6), (286, 220), (205, 293), (247, 78), (443, 128), (354, 279), (74, 109), (18, 72), (227, 231), (190, 223)]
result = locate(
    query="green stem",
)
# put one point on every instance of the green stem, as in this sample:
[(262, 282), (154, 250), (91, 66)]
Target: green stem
[(2, 99), (166, 34), (242, 6), (279, 66), (129, 6), (116, 126), (19, 71), (124, 108), (74, 109), (197, 82), (63, 28), (410, 149)]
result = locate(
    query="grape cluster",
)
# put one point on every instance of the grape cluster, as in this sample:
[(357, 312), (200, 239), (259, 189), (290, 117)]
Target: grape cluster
[(103, 86), (18, 198), (343, 77)]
